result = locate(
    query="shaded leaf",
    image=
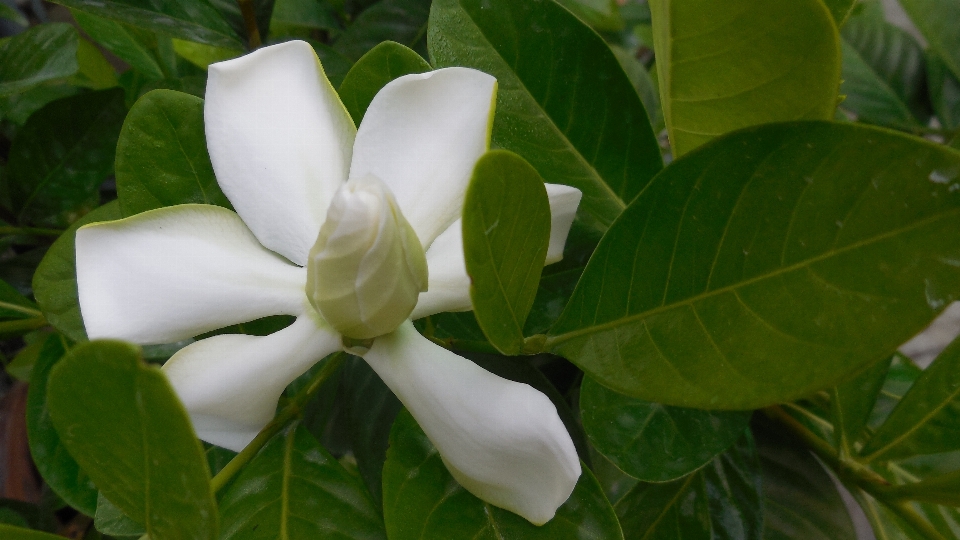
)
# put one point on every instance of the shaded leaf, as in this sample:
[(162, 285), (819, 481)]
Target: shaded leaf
[(402, 21), (944, 92), (14, 305), (603, 15), (111, 520), (852, 401), (382, 64), (43, 53), (870, 97), (840, 9), (937, 21), (10, 532), (139, 48)]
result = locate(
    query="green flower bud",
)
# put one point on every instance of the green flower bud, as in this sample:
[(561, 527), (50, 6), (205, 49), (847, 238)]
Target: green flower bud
[(367, 268)]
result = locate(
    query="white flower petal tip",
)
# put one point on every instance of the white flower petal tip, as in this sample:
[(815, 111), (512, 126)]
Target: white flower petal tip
[(280, 142), (230, 383), (501, 440), (173, 273), (422, 135), (564, 201)]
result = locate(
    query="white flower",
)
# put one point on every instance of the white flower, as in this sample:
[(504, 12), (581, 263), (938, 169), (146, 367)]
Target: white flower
[(282, 145)]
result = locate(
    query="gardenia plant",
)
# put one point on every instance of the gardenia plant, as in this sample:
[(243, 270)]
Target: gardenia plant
[(354, 231)]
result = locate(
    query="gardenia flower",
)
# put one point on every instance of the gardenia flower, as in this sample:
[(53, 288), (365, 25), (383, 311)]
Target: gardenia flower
[(354, 232)]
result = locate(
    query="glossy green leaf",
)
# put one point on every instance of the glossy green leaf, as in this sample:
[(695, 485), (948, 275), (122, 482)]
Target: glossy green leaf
[(852, 401), (57, 467), (728, 65), (373, 71), (402, 21), (797, 241), (154, 468), (869, 97), (937, 21), (654, 442), (893, 55), (295, 489), (139, 48), (194, 20), (944, 92), (44, 53), (9, 532), (55, 282), (14, 305), (800, 501), (62, 155), (840, 9), (602, 15), (723, 500), (563, 103), (506, 231), (422, 501), (162, 157), (927, 419), (111, 520)]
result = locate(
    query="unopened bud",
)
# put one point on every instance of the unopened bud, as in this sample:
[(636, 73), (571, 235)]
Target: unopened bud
[(368, 268)]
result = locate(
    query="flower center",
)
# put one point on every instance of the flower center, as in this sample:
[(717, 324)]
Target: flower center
[(367, 268)]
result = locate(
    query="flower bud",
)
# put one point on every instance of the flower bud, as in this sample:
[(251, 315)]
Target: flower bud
[(367, 268)]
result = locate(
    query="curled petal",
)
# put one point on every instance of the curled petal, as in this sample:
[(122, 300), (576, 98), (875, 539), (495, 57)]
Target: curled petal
[(449, 287), (173, 273), (422, 135), (280, 142), (230, 383), (501, 440)]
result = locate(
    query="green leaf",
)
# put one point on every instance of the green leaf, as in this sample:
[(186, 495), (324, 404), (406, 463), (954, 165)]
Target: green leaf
[(42, 53), (139, 48), (869, 97), (11, 13), (797, 241), (728, 65), (723, 500), (17, 108), (60, 471), (335, 64), (384, 63), (111, 520), (506, 231), (295, 489), (603, 15), (422, 501), (900, 377), (14, 305), (202, 55), (403, 21), (937, 21), (654, 442), (840, 9), (564, 103), (193, 20), (55, 281), (800, 501), (289, 14), (944, 92), (892, 54), (122, 422), (852, 401), (162, 157), (62, 155), (643, 83), (95, 71), (927, 419), (942, 490), (9, 532)]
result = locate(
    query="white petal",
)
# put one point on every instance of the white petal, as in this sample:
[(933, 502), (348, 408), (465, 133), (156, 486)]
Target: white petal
[(563, 208), (176, 272), (502, 440), (422, 135), (449, 285), (230, 384), (280, 142)]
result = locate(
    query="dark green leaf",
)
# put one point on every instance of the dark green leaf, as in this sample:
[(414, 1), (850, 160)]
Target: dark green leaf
[(422, 501), (723, 500), (869, 97), (162, 157), (824, 246), (9, 532), (800, 501), (335, 65), (18, 107), (852, 401), (943, 490), (840, 9), (892, 54), (311, 14), (728, 65), (14, 305), (927, 419), (56, 466), (603, 15), (11, 13), (43, 53), (403, 21), (111, 520), (506, 231), (373, 71), (139, 48), (295, 489), (900, 377), (564, 103), (937, 21), (262, 11), (643, 83), (154, 467), (944, 92), (653, 442), (55, 282), (62, 155), (193, 20)]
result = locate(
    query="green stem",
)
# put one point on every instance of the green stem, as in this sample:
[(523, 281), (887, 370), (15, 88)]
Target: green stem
[(36, 231), (292, 410), (22, 325), (250, 21), (21, 309)]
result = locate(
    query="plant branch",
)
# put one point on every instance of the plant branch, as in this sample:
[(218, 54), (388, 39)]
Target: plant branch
[(292, 410), (250, 21)]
